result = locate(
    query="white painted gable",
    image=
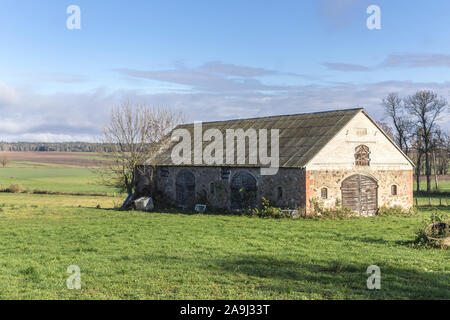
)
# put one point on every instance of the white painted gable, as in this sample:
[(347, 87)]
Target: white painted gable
[(339, 152)]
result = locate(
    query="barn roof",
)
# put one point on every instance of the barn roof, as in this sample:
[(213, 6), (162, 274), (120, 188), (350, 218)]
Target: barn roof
[(301, 136)]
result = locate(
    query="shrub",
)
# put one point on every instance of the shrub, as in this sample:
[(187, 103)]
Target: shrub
[(434, 232), (337, 212), (15, 188), (396, 211), (267, 211)]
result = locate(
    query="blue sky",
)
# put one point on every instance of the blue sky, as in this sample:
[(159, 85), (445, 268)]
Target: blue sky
[(211, 59)]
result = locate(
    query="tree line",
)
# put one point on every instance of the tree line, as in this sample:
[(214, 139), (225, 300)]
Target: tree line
[(414, 127), (55, 146)]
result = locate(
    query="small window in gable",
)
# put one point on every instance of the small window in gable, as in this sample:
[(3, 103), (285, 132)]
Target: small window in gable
[(361, 131), (394, 190), (362, 153), (324, 193)]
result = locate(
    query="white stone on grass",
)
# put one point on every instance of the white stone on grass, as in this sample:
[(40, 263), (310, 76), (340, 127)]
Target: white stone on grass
[(144, 204)]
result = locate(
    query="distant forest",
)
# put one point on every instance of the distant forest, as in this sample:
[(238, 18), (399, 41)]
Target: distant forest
[(54, 146)]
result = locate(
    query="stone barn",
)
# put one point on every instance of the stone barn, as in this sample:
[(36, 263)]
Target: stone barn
[(339, 158)]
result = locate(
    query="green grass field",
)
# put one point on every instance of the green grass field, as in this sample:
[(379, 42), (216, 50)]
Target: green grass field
[(51, 178), (444, 186), (137, 255)]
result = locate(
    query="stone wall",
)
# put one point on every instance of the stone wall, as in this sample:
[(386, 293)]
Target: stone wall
[(332, 180), (296, 185), (214, 183)]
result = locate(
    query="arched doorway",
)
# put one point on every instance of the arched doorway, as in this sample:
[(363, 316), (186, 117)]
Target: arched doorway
[(243, 191), (185, 189), (359, 193)]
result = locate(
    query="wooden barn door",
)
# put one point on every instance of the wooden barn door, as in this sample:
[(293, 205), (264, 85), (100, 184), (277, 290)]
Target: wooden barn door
[(359, 193)]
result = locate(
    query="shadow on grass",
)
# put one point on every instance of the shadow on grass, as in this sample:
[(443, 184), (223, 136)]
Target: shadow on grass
[(340, 279), (174, 211), (432, 194), (278, 277)]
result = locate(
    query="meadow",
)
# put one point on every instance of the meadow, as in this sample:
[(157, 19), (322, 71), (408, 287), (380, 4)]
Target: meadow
[(53, 171), (443, 183), (55, 179), (167, 255), (183, 255)]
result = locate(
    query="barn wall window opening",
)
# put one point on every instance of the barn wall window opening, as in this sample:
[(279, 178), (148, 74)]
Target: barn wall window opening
[(211, 188), (243, 191), (185, 189), (362, 153), (324, 193), (279, 193), (164, 172), (394, 190)]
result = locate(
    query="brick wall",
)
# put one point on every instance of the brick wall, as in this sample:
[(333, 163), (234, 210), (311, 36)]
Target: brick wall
[(332, 180)]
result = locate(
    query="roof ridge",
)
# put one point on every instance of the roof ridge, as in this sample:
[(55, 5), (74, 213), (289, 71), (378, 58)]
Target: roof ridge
[(278, 116)]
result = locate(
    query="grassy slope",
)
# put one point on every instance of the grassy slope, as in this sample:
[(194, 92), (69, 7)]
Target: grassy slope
[(156, 255), (62, 179)]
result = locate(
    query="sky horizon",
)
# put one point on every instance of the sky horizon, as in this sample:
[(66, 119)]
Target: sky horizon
[(211, 60)]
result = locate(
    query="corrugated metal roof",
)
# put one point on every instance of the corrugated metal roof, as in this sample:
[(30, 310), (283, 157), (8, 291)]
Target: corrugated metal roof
[(301, 136)]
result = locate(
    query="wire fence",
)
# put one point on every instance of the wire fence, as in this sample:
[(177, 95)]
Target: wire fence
[(432, 202)]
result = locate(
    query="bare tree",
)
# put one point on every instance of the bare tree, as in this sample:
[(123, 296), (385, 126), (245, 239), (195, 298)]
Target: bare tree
[(4, 161), (442, 151), (134, 134), (417, 146), (425, 106), (394, 108), (387, 129)]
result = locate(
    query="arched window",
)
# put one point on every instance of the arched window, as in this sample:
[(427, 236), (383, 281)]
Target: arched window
[(394, 190), (324, 193), (362, 153), (279, 193), (243, 191)]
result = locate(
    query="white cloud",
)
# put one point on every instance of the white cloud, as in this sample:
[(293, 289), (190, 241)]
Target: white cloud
[(345, 66), (8, 95), (417, 60), (26, 115)]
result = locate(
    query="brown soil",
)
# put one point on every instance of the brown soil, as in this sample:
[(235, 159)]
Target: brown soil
[(66, 158)]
